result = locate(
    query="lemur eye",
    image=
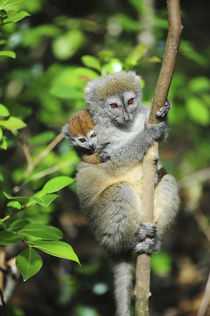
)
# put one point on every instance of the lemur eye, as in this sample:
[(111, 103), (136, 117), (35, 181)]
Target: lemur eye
[(82, 140), (130, 101), (114, 105), (93, 135)]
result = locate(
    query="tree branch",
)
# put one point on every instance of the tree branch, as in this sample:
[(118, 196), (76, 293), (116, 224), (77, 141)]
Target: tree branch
[(43, 154), (149, 166), (205, 300)]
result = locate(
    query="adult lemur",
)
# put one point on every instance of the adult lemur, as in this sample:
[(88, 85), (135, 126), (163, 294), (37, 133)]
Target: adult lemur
[(110, 192)]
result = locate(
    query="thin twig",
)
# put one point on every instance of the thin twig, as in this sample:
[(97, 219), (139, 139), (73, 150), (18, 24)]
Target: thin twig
[(27, 154), (205, 300), (43, 154), (48, 171), (42, 174)]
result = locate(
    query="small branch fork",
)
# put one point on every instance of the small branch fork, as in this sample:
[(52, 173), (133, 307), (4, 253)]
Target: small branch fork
[(149, 166), (32, 164), (43, 154)]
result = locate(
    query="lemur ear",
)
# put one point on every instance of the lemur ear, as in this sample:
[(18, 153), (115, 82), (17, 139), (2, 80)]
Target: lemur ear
[(135, 76), (90, 90), (87, 88), (65, 131)]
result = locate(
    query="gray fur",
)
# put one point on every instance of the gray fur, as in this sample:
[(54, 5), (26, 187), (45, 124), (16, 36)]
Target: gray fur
[(147, 230), (110, 193), (122, 285)]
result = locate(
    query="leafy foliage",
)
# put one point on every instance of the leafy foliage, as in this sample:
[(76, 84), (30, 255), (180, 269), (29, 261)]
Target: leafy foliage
[(29, 263), (46, 59)]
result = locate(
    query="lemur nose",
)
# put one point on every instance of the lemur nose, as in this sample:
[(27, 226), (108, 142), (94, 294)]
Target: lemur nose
[(126, 118)]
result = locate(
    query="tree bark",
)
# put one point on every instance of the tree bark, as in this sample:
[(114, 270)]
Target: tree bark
[(149, 166)]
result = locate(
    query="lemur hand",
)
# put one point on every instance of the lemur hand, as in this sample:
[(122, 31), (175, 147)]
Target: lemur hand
[(163, 111), (156, 131)]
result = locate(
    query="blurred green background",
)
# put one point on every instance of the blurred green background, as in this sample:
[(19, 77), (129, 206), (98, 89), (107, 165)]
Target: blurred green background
[(59, 46)]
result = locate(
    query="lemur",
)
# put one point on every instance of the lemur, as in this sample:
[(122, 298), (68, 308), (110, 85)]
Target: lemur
[(110, 192)]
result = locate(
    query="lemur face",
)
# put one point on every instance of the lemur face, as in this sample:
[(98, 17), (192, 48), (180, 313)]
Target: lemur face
[(121, 108), (87, 142)]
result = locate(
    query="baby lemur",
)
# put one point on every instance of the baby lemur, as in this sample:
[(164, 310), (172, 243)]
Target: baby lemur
[(110, 193), (80, 132)]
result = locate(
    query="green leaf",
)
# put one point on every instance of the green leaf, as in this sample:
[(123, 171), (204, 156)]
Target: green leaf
[(82, 310), (1, 134), (153, 59), (127, 23), (32, 36), (3, 110), (14, 204), (198, 111), (28, 263), (13, 123), (41, 231), (16, 17), (42, 200), (42, 138), (21, 199), (73, 77), (113, 66), (7, 238), (187, 50), (161, 263), (57, 248), (66, 92), (66, 45), (7, 53), (138, 52), (138, 5), (3, 42), (8, 4), (160, 23), (199, 84), (1, 223), (91, 62), (106, 55), (18, 224), (1, 177), (56, 184), (4, 144)]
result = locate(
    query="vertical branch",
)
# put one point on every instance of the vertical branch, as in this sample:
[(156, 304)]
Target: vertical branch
[(2, 266), (149, 168)]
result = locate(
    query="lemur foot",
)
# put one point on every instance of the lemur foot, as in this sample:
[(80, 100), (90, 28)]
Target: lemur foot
[(148, 246), (164, 109), (147, 240)]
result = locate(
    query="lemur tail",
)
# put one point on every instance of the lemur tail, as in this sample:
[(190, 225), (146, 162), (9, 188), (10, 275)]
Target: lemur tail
[(122, 283)]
